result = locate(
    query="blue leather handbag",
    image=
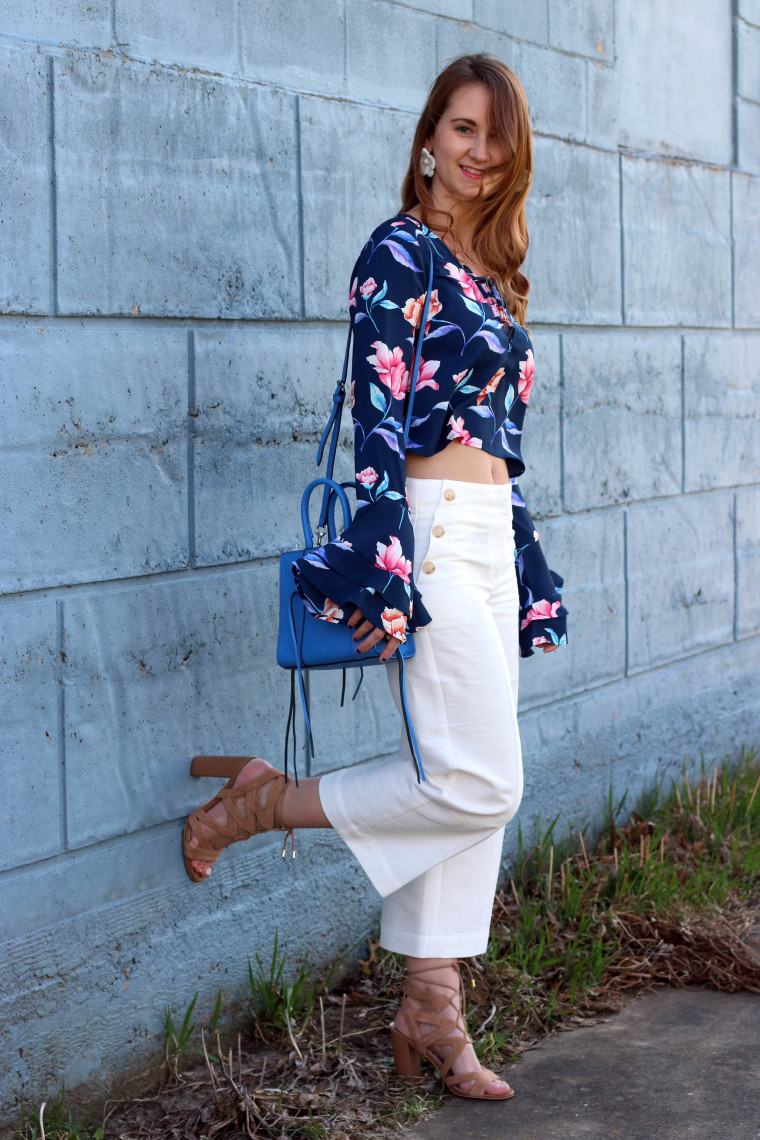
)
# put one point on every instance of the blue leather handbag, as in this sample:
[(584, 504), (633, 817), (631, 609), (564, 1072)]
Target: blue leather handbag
[(304, 641)]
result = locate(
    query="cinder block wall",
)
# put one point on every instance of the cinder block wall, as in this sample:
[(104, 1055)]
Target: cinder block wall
[(182, 199)]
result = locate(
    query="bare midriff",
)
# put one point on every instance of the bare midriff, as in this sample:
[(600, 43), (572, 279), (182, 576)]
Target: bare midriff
[(465, 464)]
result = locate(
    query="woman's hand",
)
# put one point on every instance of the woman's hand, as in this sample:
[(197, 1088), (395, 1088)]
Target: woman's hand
[(371, 635), (549, 648)]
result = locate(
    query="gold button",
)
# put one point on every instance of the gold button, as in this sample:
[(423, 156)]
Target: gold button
[(438, 530), (428, 567), (449, 494)]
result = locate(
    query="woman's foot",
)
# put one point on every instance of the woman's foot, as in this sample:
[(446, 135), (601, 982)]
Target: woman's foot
[(444, 979), (219, 814)]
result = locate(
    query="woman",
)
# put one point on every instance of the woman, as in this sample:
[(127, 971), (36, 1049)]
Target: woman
[(446, 507)]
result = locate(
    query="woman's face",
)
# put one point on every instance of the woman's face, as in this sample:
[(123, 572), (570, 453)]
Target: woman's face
[(464, 146)]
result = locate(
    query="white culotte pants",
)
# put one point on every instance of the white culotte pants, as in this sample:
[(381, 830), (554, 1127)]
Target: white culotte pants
[(433, 849)]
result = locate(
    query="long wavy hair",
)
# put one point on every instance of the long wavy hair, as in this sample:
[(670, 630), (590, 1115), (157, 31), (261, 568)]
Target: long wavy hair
[(500, 233)]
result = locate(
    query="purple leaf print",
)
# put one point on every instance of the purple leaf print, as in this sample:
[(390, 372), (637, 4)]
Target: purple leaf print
[(491, 340), (442, 331), (401, 255), (390, 438)]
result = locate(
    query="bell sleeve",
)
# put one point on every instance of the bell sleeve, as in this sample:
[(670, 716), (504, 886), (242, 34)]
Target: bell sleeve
[(543, 618), (369, 565)]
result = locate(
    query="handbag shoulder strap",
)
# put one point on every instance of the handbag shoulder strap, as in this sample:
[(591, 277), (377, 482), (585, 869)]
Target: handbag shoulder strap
[(332, 428)]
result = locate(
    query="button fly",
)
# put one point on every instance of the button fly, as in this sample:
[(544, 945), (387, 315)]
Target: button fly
[(449, 494), (438, 530), (428, 567)]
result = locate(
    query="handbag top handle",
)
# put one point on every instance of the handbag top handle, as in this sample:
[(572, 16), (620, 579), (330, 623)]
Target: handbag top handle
[(339, 395)]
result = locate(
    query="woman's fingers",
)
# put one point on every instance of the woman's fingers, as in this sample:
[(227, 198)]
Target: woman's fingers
[(549, 648), (390, 649)]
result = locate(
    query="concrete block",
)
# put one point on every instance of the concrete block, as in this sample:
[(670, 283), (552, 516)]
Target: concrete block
[(748, 562), (155, 171), (556, 88), (296, 43), (675, 102), (524, 19), (204, 38), (677, 225), (622, 417), (748, 48), (583, 28), (263, 397), (455, 39), (722, 409), (573, 216), (746, 219), (623, 738), (341, 211), (24, 183), (748, 130), (29, 681), (406, 41), (96, 456), (602, 111), (542, 481), (749, 10), (588, 553), (457, 9), (86, 997), (83, 22), (155, 675), (680, 578)]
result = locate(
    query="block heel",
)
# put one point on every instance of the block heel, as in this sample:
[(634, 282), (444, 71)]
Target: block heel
[(407, 1059)]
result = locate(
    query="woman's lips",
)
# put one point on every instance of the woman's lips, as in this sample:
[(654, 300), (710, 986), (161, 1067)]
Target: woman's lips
[(471, 172)]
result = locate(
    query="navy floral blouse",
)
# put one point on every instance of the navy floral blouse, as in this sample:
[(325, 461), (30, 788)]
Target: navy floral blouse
[(474, 381)]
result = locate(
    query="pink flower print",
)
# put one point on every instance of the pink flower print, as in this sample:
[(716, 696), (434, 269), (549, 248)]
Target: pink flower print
[(469, 286), (428, 369), (352, 294), (390, 368), (540, 611), (460, 432), (394, 623), (460, 376), (540, 640), (391, 558), (413, 310), (490, 387), (525, 383), (331, 611), (366, 477), (368, 287)]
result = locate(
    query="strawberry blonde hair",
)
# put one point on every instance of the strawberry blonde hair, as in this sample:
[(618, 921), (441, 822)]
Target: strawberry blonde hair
[(500, 233)]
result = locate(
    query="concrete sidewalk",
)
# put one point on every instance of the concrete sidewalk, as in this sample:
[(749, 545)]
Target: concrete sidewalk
[(673, 1065)]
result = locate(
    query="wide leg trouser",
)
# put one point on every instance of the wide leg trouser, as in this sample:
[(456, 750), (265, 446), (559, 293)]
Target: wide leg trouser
[(433, 850)]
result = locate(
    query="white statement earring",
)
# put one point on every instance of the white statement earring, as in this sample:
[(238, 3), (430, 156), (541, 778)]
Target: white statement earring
[(427, 162)]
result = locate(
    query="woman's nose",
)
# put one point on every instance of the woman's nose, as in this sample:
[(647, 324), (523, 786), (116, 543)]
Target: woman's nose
[(479, 149)]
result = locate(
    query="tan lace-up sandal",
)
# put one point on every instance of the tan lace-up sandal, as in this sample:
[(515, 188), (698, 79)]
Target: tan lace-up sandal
[(449, 1033), (245, 814)]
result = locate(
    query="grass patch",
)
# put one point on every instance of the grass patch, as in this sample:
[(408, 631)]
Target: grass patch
[(665, 899)]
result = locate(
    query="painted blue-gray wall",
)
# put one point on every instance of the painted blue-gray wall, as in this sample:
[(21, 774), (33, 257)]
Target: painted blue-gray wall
[(182, 194)]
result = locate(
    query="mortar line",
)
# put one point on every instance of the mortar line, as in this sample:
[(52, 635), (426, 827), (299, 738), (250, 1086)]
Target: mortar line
[(735, 83), (736, 570), (192, 412), (345, 42), (625, 589), (301, 247), (683, 414), (733, 248), (622, 240), (61, 710), (113, 22), (52, 189), (562, 422)]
